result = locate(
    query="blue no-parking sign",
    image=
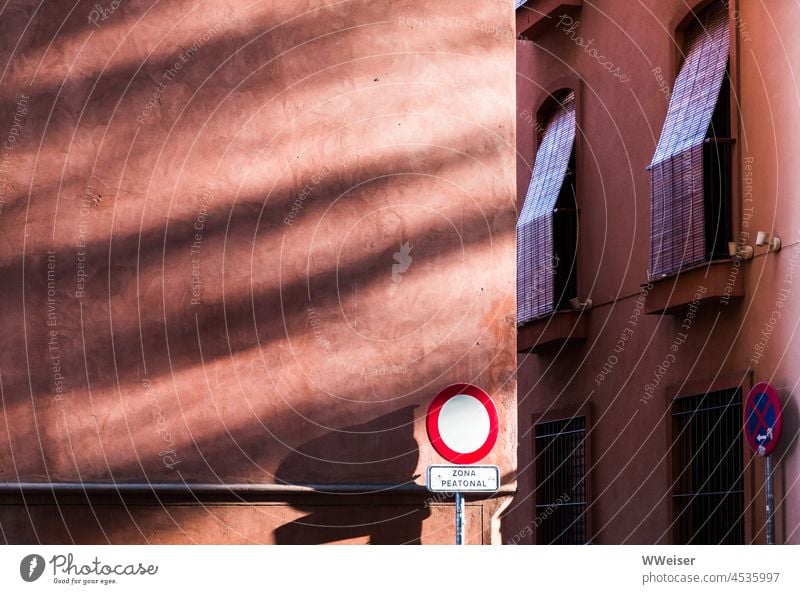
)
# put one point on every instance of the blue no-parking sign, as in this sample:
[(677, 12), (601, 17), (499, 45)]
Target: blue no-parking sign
[(762, 419)]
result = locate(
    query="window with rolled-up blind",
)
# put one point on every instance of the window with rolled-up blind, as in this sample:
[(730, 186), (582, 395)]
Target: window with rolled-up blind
[(689, 219), (540, 268)]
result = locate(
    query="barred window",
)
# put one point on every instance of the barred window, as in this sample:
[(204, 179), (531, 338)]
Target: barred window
[(708, 491), (561, 494)]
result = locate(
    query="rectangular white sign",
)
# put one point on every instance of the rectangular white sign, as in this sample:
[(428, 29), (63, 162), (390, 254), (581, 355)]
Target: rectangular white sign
[(455, 478)]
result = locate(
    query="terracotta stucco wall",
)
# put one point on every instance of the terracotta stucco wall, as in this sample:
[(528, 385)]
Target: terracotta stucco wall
[(250, 242)]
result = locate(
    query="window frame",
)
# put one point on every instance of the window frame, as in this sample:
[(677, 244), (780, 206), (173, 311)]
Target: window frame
[(684, 474), (547, 102), (682, 25), (672, 294), (752, 479), (548, 416)]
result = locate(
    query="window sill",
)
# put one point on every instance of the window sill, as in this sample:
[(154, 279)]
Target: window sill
[(719, 281), (538, 15), (552, 331)]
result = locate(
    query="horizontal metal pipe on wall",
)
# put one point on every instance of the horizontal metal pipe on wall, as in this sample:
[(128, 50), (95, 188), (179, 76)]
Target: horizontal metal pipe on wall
[(226, 488)]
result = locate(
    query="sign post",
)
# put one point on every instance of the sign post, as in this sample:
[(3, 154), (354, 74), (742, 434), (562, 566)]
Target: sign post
[(462, 427), (763, 423), (770, 501), (459, 518)]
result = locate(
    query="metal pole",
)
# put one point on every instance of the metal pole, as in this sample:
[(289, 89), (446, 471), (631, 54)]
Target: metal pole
[(459, 519), (770, 501)]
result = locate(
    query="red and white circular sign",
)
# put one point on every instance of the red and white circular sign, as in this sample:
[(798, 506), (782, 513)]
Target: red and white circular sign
[(462, 423)]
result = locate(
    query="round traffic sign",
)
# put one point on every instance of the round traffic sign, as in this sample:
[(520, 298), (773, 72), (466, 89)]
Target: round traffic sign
[(462, 423), (763, 420)]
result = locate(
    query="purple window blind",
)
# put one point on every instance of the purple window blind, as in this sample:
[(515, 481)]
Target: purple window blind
[(535, 257), (677, 216)]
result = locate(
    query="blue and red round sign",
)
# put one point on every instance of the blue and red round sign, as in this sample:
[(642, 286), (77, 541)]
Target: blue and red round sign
[(763, 421)]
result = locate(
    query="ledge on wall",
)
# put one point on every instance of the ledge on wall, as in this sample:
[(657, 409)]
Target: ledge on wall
[(535, 16), (720, 282), (552, 331)]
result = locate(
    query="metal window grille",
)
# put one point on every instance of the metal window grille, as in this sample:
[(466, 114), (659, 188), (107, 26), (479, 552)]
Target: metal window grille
[(561, 497), (708, 491), (689, 225)]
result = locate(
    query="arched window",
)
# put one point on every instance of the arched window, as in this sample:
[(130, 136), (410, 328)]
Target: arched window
[(547, 226), (690, 217)]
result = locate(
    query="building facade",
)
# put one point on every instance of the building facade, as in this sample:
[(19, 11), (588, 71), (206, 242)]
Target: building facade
[(655, 141), (244, 246)]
